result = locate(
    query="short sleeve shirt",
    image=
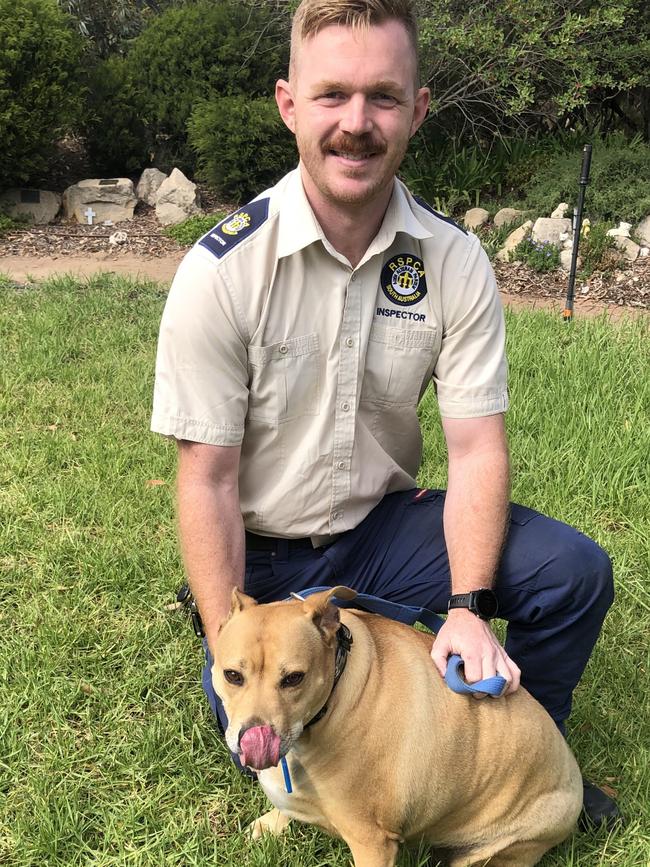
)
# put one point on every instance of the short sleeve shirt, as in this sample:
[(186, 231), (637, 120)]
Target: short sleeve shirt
[(271, 341)]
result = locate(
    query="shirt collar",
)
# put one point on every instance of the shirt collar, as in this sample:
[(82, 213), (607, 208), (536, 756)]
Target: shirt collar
[(299, 227)]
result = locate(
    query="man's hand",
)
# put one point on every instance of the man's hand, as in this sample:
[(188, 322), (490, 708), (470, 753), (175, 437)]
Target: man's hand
[(473, 640)]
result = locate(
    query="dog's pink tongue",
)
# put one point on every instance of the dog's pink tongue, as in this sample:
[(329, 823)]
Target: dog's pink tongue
[(260, 748)]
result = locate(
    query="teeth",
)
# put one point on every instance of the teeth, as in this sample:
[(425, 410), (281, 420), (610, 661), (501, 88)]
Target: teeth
[(356, 157)]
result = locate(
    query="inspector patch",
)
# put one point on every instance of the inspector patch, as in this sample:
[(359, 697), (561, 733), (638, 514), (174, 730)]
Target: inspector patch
[(403, 281)]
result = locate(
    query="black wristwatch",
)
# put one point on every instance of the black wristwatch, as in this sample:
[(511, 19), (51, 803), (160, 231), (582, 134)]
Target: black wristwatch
[(482, 602)]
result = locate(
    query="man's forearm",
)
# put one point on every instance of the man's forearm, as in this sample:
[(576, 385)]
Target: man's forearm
[(475, 516), (212, 541)]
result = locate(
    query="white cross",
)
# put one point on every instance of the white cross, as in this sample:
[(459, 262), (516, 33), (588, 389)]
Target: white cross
[(89, 214)]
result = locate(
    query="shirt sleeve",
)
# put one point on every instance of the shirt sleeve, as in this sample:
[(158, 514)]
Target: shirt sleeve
[(201, 383), (470, 375)]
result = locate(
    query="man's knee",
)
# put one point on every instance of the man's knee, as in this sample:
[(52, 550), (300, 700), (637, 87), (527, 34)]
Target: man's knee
[(583, 574)]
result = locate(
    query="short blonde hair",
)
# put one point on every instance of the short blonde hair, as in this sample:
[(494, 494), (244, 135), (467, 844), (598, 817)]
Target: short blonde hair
[(313, 15)]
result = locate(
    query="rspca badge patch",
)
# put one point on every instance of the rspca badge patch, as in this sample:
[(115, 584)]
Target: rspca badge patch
[(235, 228), (403, 280)]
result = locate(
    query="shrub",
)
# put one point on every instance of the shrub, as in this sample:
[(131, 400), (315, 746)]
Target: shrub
[(39, 88), (619, 186), (538, 255), (598, 251), (116, 138), (189, 53), (242, 145), (190, 230)]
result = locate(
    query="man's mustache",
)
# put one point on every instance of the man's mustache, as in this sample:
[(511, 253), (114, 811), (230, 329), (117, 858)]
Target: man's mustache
[(356, 145)]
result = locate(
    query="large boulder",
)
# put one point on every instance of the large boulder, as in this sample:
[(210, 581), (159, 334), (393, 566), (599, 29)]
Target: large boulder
[(99, 200), (177, 199), (149, 184), (506, 216), (513, 239), (475, 218), (643, 230), (549, 230), (40, 206), (628, 248)]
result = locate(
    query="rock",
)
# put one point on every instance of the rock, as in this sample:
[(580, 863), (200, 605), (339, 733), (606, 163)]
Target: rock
[(177, 199), (560, 212), (513, 239), (118, 238), (628, 248), (565, 260), (644, 252), (621, 231), (41, 206), (643, 230), (567, 244), (549, 229), (107, 198), (475, 217), (506, 216), (149, 184)]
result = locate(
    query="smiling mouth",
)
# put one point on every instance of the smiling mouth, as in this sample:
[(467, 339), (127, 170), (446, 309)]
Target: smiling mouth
[(353, 157)]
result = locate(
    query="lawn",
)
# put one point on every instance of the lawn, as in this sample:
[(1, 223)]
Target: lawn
[(108, 754)]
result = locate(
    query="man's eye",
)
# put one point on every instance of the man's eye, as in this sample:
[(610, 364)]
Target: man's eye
[(292, 679), (332, 96), (384, 98), (233, 677)]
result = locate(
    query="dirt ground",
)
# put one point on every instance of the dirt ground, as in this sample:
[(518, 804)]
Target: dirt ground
[(38, 252)]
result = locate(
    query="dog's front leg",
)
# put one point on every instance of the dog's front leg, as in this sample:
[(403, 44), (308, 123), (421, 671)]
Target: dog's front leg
[(274, 822), (378, 852)]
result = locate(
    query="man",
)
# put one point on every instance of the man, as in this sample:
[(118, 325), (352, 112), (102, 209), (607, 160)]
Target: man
[(297, 340)]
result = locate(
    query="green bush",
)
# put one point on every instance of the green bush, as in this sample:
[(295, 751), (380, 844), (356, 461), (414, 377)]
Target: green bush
[(190, 230), (539, 255), (242, 145), (619, 186), (598, 250), (189, 53), (116, 138), (40, 95)]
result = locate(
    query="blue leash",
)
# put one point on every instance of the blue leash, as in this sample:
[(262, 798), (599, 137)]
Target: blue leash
[(411, 614)]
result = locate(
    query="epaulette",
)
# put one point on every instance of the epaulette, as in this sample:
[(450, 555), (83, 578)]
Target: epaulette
[(427, 207), (235, 227)]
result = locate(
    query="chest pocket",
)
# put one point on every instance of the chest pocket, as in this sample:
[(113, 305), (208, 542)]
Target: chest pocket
[(397, 360), (284, 379)]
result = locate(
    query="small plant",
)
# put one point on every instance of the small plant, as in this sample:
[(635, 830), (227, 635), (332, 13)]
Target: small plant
[(598, 251), (190, 230), (538, 255), (493, 237), (9, 224)]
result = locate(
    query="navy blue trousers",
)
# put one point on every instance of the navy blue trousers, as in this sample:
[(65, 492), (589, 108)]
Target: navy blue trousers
[(554, 585)]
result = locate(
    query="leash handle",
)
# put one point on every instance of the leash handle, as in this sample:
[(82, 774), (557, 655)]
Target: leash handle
[(410, 614)]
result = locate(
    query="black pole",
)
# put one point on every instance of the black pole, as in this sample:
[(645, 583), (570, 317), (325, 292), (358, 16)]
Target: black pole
[(584, 180)]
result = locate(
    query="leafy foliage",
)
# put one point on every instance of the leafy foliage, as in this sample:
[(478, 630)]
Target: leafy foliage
[(195, 52), (190, 230), (242, 145), (539, 255), (39, 86), (619, 187), (598, 250)]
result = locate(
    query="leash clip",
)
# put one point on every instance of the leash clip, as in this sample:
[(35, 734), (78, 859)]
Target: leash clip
[(185, 598)]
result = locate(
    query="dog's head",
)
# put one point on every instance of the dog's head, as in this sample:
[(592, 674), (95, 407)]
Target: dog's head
[(274, 670)]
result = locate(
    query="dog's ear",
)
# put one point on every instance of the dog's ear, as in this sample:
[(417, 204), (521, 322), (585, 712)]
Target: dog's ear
[(239, 602), (323, 612)]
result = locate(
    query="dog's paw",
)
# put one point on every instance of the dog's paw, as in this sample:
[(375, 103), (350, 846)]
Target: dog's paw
[(274, 822)]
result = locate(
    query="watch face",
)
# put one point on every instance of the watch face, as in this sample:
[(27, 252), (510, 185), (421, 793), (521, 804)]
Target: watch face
[(486, 604)]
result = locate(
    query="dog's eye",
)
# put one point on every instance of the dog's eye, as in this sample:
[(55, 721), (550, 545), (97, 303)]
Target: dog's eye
[(292, 679), (233, 677)]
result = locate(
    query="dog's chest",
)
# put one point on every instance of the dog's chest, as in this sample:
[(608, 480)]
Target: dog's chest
[(302, 803)]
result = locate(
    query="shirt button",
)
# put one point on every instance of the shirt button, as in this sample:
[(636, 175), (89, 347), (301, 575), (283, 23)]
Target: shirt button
[(349, 341), (284, 348), (336, 515), (353, 278), (345, 406), (341, 465)]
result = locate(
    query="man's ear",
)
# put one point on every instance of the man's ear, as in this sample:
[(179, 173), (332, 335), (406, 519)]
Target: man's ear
[(421, 108), (286, 103), (323, 612)]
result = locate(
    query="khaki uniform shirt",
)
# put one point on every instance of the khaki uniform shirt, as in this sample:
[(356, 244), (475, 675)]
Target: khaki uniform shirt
[(271, 341)]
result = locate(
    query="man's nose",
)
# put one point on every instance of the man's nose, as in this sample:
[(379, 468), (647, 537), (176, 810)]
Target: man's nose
[(356, 118)]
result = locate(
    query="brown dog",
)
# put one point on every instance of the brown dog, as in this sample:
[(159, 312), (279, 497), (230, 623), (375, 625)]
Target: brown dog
[(386, 753)]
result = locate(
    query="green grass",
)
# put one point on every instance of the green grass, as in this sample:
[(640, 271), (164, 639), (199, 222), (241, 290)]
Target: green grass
[(108, 755), (190, 230)]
